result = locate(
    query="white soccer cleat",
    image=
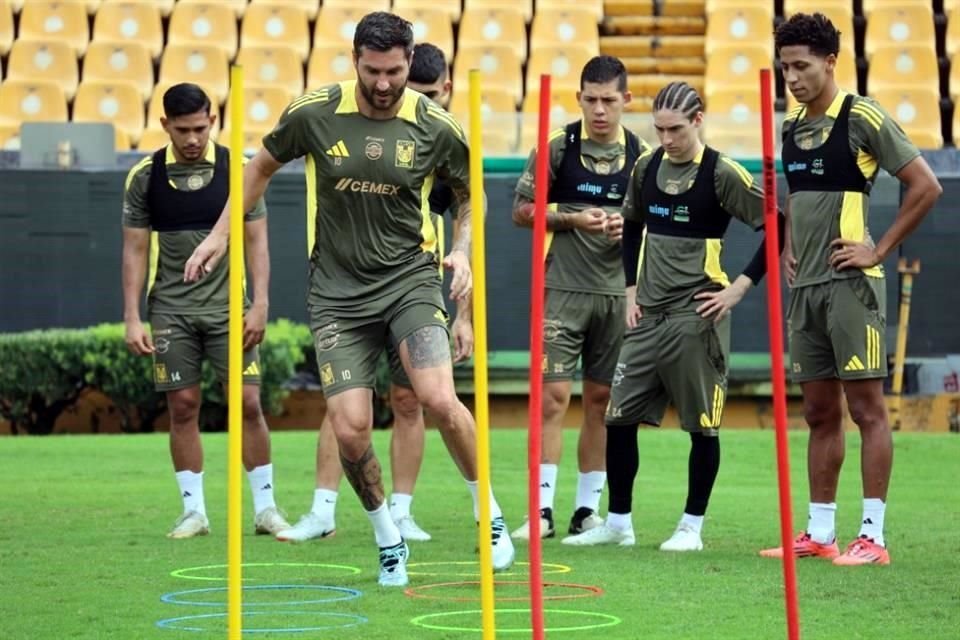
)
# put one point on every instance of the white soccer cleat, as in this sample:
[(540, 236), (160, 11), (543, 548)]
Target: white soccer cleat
[(270, 522), (503, 552), (393, 565), (546, 526), (685, 538), (410, 530), (310, 527), (189, 525), (601, 535)]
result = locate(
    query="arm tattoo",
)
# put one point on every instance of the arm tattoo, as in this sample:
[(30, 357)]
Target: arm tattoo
[(428, 347), (461, 199), (556, 221), (365, 477)]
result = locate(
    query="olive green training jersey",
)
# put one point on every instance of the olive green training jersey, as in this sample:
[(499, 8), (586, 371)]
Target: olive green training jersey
[(170, 250), (369, 182), (672, 269), (579, 261), (818, 218)]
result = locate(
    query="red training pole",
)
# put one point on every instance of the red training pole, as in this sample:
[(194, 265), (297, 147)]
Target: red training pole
[(535, 433), (774, 316)]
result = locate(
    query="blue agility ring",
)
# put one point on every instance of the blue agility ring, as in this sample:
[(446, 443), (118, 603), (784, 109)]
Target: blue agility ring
[(343, 594), (351, 620)]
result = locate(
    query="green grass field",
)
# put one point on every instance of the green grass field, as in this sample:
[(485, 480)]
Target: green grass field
[(83, 552)]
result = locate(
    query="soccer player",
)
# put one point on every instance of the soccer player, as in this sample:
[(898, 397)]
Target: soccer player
[(177, 194), (833, 144), (429, 76), (589, 166), (678, 206), (372, 150)]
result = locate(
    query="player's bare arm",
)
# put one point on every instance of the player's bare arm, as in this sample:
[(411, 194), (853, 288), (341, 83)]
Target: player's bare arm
[(136, 244), (365, 476), (258, 265), (458, 260), (256, 176), (923, 190), (789, 261), (590, 220)]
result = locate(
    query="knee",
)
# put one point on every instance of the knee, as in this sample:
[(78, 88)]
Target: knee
[(867, 413), (555, 399), (405, 405), (443, 405), (252, 410), (823, 415), (352, 437), (596, 400), (184, 410)]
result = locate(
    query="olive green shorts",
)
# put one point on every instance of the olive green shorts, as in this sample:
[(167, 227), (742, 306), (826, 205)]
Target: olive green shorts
[(679, 358), (837, 329), (349, 345), (182, 341), (582, 325)]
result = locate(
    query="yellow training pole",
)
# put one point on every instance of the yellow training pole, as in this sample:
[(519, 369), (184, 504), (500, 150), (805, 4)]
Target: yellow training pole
[(480, 356), (907, 271), (235, 380)]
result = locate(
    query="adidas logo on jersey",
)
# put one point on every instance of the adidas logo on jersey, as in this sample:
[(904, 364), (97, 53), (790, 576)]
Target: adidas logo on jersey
[(338, 150)]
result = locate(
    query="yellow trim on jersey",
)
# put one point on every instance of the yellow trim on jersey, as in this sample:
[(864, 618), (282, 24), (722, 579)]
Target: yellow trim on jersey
[(711, 261), (210, 155), (427, 231), (348, 102), (310, 171), (441, 241), (154, 261), (322, 95), (146, 162), (743, 173), (867, 163), (408, 108), (869, 113), (548, 238), (585, 135), (852, 224), (794, 113), (556, 133), (834, 109), (440, 114), (643, 249)]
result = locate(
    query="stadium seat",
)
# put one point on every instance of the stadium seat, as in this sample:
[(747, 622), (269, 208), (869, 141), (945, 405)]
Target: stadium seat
[(129, 61), (498, 113), (747, 24), (46, 20), (571, 28), (335, 25), (499, 67), (869, 6), (561, 62), (899, 27), (155, 107), (134, 22), (595, 7), (164, 6), (741, 141), (564, 108), (10, 137), (450, 7), (330, 63), (205, 65), (204, 24), (31, 101), (734, 107), (709, 6), (525, 6), (309, 7), (90, 6), (365, 6), (262, 108), (431, 25), (494, 26), (252, 139), (54, 61), (239, 6), (956, 127), (6, 28), (118, 103), (953, 36), (736, 66), (272, 66), (277, 26), (917, 111), (955, 82), (910, 66), (153, 138)]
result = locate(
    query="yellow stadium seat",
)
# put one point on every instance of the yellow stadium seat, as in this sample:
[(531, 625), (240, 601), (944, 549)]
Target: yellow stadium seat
[(262, 108), (164, 6), (917, 111), (899, 27), (747, 24), (869, 6), (204, 64), (278, 27), (595, 7), (955, 83), (31, 101), (47, 20), (562, 63), (153, 139), (330, 63), (498, 113), (736, 66), (564, 108), (6, 27), (956, 127), (118, 103), (431, 25), (953, 36), (735, 141), (525, 6), (499, 67), (335, 25), (450, 7), (309, 7), (239, 6), (709, 6), (570, 28), (734, 107), (155, 107), (10, 137), (204, 24), (910, 66), (54, 61), (133, 22), (497, 25), (365, 6), (272, 66), (951, 8), (129, 61), (252, 139)]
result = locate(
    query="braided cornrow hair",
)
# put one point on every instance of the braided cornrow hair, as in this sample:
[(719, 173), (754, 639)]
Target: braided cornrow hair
[(679, 96)]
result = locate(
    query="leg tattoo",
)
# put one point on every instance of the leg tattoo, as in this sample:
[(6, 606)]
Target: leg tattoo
[(428, 347), (365, 477)]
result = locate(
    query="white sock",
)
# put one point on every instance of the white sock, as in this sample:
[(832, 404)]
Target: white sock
[(590, 488), (385, 531), (620, 521), (324, 503), (873, 512), (548, 485), (400, 505), (495, 511), (191, 490), (261, 485), (694, 522), (821, 526)]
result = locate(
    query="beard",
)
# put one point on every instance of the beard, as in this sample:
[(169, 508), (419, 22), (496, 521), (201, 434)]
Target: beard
[(375, 98)]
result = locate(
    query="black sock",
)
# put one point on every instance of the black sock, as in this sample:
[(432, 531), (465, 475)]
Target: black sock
[(623, 461), (702, 471)]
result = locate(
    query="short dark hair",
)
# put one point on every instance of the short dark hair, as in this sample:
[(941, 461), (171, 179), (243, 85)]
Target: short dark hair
[(185, 99), (679, 96), (603, 69), (813, 30), (382, 31), (429, 64)]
